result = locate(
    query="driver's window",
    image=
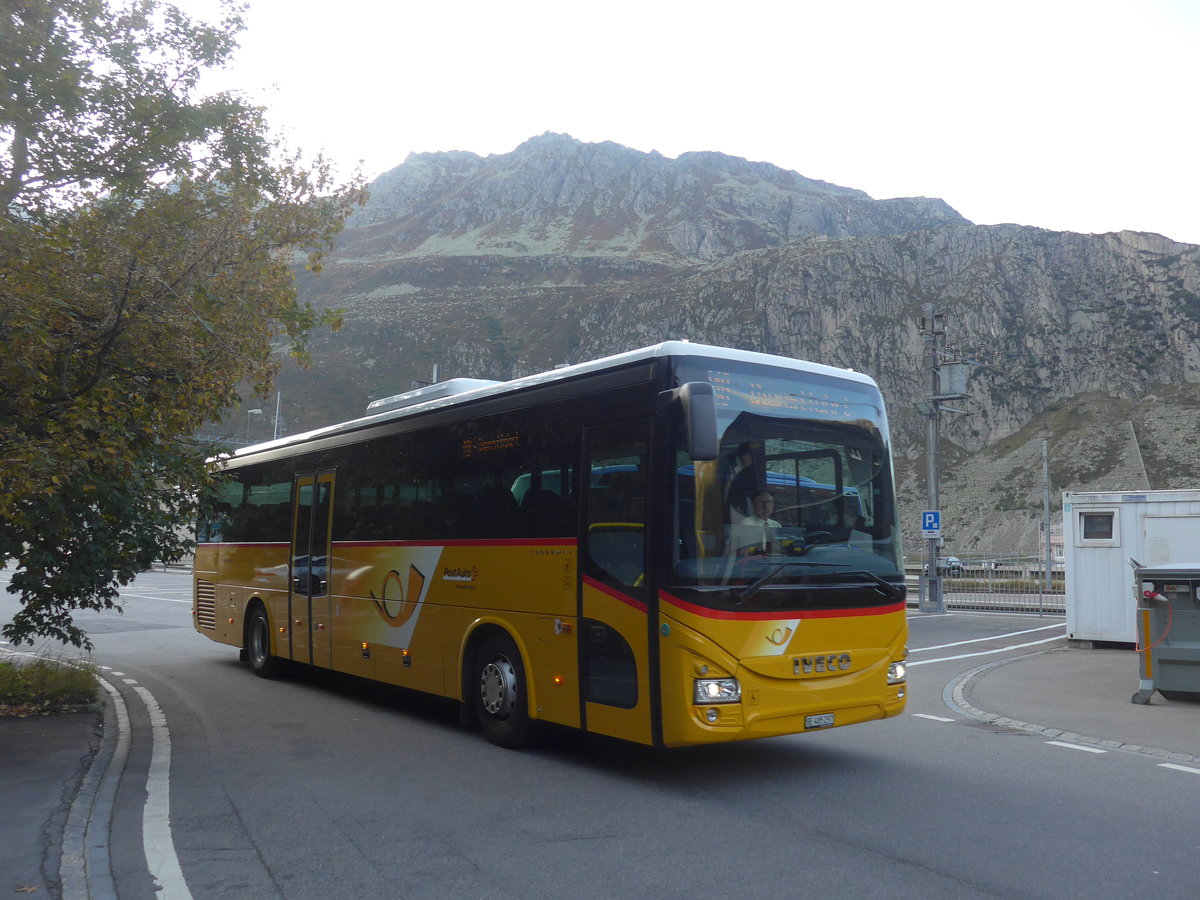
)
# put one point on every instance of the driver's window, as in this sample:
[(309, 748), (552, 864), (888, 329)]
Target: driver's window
[(616, 504)]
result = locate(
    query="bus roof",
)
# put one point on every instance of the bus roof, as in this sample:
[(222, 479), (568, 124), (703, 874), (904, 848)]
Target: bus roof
[(491, 389)]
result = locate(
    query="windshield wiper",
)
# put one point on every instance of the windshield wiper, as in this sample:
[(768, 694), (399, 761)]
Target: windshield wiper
[(885, 587), (740, 597)]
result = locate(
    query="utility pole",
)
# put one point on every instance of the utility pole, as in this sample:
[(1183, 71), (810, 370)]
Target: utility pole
[(933, 329), (947, 381)]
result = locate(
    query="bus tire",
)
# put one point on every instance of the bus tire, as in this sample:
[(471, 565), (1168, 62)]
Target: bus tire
[(258, 644), (499, 693)]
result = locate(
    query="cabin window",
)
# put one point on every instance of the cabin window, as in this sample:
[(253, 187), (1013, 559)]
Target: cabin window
[(1098, 528)]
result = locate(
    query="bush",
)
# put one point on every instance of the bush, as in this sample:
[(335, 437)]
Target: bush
[(44, 687)]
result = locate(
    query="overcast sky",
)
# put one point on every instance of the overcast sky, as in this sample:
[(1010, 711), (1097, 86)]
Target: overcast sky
[(1079, 115)]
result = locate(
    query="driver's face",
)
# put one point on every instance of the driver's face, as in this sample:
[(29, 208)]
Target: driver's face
[(764, 505)]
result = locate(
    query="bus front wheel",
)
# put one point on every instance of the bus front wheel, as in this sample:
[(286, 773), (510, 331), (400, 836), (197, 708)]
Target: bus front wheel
[(499, 692), (258, 645)]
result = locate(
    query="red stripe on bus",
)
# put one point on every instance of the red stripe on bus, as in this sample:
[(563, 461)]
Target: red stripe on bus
[(483, 542), (781, 613), (615, 594), (245, 544)]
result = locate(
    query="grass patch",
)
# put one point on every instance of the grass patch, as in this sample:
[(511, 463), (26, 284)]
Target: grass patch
[(45, 687)]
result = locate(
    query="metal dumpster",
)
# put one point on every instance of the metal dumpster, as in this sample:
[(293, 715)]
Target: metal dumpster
[(1168, 629)]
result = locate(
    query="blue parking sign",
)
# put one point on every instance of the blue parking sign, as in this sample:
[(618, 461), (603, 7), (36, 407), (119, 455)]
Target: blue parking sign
[(931, 523)]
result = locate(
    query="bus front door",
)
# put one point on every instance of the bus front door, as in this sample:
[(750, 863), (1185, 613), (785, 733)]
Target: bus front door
[(614, 613), (309, 622)]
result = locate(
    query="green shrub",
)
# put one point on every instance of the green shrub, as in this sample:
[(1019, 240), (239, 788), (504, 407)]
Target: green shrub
[(44, 686)]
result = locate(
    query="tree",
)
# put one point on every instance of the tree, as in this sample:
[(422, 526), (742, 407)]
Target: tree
[(147, 246)]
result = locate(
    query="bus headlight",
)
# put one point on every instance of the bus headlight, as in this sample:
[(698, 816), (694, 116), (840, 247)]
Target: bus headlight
[(897, 672), (717, 690)]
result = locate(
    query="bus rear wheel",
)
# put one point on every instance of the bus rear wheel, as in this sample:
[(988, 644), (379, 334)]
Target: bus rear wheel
[(499, 693), (258, 645)]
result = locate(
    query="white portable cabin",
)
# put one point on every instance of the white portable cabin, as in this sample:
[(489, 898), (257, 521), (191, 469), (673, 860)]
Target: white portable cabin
[(1102, 532)]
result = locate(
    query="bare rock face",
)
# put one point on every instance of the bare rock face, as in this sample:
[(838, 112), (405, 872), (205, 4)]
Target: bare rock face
[(563, 251)]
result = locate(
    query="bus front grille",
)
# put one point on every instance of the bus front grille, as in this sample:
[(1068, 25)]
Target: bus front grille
[(206, 605)]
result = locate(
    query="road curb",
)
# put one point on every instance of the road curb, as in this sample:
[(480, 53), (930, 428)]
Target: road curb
[(956, 695), (85, 868)]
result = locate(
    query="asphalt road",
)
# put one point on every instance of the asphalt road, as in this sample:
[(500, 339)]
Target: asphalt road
[(321, 787)]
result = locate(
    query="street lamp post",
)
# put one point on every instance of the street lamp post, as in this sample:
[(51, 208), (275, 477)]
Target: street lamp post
[(249, 413)]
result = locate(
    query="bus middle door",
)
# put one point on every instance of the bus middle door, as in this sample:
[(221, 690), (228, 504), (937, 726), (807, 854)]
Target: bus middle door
[(310, 621), (614, 616)]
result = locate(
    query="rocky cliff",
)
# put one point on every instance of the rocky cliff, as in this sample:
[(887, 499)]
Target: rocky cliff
[(562, 251)]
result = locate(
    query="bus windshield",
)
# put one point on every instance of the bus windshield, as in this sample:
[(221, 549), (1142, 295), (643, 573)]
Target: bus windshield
[(799, 503)]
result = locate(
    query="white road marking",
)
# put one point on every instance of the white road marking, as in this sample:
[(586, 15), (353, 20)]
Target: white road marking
[(157, 841), (997, 637), (1076, 747), (935, 718), (1179, 768), (925, 662), (126, 595)]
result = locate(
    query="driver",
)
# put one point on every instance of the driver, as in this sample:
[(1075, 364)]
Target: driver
[(763, 504), (762, 526)]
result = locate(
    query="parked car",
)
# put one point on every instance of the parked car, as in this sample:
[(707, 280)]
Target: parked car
[(950, 565)]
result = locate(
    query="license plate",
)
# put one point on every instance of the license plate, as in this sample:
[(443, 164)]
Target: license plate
[(822, 721)]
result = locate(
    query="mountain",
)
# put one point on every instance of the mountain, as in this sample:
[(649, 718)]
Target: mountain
[(561, 251), (555, 196)]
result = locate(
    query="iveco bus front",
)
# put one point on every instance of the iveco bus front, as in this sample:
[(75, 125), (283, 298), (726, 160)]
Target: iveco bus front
[(784, 600)]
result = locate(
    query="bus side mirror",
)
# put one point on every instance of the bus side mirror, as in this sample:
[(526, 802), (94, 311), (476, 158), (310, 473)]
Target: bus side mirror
[(699, 418)]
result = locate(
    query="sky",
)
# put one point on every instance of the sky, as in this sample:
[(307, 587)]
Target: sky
[(1077, 115)]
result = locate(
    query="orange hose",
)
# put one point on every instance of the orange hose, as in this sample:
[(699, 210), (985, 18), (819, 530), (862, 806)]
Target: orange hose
[(1170, 622)]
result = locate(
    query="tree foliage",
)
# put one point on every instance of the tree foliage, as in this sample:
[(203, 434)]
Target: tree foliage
[(147, 246)]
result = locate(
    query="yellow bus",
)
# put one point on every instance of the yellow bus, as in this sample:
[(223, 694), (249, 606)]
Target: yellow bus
[(585, 547)]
